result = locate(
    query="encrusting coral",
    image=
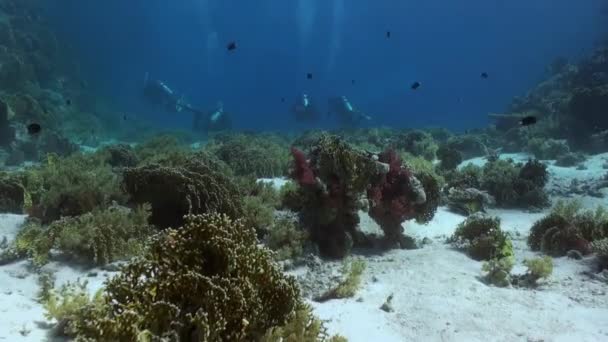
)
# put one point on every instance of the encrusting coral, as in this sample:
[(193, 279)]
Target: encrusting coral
[(206, 281)]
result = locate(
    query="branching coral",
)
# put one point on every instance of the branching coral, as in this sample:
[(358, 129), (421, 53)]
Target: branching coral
[(98, 237), (302, 327), (257, 214), (206, 281), (193, 188), (286, 239), (71, 186), (482, 237)]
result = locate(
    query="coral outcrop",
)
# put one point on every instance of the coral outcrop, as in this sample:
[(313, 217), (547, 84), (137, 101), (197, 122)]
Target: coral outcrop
[(175, 191), (206, 281)]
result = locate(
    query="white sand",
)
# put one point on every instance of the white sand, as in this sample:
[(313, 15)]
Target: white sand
[(19, 310), (438, 296)]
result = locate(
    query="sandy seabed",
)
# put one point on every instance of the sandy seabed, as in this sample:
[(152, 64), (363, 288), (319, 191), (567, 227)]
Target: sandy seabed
[(437, 291)]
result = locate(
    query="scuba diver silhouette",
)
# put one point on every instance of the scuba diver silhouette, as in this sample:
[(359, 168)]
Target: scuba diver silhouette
[(158, 93), (345, 112), (304, 110)]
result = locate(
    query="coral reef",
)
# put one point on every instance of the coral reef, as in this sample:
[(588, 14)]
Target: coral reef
[(97, 237), (568, 228), (516, 186), (418, 143), (121, 155), (468, 201), (482, 237), (206, 281), (331, 184), (600, 248), (260, 156), (286, 238), (338, 180), (71, 186), (449, 157), (12, 194), (548, 148), (192, 188)]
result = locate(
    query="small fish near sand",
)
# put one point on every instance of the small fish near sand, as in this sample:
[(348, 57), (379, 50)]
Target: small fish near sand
[(34, 129), (528, 121)]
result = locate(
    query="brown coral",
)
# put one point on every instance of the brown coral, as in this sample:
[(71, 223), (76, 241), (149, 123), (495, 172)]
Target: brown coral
[(173, 192)]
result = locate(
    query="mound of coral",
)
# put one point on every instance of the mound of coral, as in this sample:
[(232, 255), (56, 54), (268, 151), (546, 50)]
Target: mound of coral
[(337, 181), (206, 281)]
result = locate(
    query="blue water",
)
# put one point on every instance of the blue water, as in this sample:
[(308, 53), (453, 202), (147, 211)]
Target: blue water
[(444, 44)]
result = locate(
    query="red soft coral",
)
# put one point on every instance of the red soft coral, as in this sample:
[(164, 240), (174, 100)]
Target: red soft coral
[(390, 195), (302, 172)]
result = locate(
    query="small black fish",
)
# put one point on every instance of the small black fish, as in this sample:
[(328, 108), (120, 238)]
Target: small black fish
[(231, 46), (124, 117), (283, 99), (415, 85), (33, 128), (388, 34), (528, 120), (484, 75), (309, 75), (352, 82), (68, 102)]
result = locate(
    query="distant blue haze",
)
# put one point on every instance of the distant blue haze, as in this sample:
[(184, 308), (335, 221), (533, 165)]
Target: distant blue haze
[(444, 44)]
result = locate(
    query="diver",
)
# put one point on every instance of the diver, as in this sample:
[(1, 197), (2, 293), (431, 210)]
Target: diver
[(345, 112), (304, 110), (215, 120), (158, 93)]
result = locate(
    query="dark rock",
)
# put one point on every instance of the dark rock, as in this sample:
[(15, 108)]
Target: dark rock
[(574, 254)]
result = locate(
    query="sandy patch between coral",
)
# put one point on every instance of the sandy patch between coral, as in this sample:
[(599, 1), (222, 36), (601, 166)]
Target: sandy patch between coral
[(438, 296)]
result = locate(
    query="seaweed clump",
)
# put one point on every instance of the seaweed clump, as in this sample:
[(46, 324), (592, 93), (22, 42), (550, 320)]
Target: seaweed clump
[(482, 238), (567, 228), (174, 191), (206, 281)]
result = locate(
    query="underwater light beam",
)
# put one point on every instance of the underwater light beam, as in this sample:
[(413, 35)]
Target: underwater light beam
[(336, 33), (306, 11)]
